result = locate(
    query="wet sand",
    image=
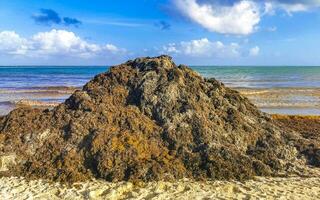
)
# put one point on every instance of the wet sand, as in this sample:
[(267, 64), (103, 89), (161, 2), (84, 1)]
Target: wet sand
[(38, 97), (286, 101)]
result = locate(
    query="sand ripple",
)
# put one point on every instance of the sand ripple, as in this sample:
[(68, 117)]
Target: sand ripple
[(261, 188)]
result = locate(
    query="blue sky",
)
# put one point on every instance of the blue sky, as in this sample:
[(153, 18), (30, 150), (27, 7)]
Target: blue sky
[(196, 32)]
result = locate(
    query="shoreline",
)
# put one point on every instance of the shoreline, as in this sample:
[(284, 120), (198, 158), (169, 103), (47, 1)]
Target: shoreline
[(285, 101)]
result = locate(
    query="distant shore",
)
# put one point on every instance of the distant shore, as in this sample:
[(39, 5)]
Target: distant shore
[(38, 97), (285, 101)]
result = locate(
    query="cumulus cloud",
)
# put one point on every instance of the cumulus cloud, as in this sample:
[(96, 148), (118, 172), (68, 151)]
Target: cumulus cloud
[(289, 7), (202, 48), (12, 43), (53, 43), (254, 51), (50, 17), (239, 18)]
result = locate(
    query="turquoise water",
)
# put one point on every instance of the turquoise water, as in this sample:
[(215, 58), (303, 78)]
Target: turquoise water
[(234, 76), (264, 77), (34, 77), (283, 89), (237, 76)]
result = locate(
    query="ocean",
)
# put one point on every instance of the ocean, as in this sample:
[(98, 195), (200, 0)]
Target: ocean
[(274, 89)]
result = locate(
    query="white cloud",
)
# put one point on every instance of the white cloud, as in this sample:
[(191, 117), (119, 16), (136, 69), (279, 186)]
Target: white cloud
[(53, 43), (269, 8), (112, 48), (202, 48), (254, 51), (240, 18), (12, 43), (290, 6)]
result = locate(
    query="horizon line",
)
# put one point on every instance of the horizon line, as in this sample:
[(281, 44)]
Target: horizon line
[(198, 65)]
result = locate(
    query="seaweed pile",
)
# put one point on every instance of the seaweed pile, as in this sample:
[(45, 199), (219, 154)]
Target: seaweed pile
[(145, 120)]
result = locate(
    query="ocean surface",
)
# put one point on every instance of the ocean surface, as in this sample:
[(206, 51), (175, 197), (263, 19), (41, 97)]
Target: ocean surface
[(282, 89)]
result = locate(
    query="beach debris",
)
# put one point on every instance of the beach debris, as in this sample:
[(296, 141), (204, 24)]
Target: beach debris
[(309, 128), (146, 120), (6, 161)]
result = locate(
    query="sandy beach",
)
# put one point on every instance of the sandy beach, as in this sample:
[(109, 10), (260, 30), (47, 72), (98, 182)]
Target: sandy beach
[(260, 188)]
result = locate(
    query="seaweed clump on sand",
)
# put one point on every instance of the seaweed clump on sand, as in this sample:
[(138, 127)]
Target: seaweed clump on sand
[(147, 119), (309, 129)]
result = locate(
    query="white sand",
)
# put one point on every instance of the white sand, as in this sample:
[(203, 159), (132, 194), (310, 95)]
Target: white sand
[(261, 188)]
